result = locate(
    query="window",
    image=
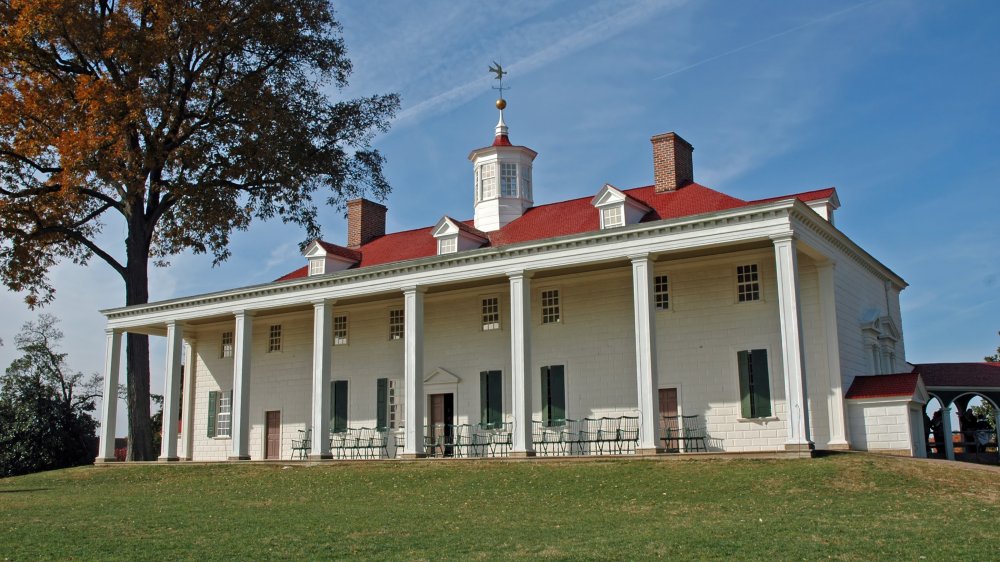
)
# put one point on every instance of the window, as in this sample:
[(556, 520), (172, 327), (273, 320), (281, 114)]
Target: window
[(553, 395), (220, 413), (490, 399), (477, 188), (755, 385), (661, 294), (389, 406), (338, 406), (448, 245), (526, 182), (274, 338), (396, 403), (612, 217), (747, 283), (508, 180), (491, 314), (227, 344), (396, 328), (488, 181), (316, 267), (550, 307), (340, 330)]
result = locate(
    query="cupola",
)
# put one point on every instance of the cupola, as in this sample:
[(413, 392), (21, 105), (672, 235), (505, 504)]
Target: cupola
[(502, 172)]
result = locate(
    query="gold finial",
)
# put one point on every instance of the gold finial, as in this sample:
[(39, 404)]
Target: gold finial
[(501, 104), (499, 72)]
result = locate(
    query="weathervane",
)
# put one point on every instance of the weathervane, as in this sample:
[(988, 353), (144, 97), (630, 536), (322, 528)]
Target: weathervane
[(499, 71)]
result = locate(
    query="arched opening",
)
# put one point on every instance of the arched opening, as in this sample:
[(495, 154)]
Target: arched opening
[(976, 428), (934, 428)]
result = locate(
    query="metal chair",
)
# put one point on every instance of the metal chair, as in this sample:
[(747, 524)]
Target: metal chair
[(694, 434), (628, 432), (607, 434), (303, 444), (590, 434), (338, 443), (502, 438)]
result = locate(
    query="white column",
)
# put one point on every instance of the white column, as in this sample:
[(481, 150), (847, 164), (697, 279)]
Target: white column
[(242, 340), (322, 348), (171, 391), (828, 313), (109, 404), (187, 400), (792, 353), (647, 380), (520, 362), (413, 370), (949, 444)]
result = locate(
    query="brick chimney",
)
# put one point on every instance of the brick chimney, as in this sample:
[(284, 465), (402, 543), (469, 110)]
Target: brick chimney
[(365, 222), (672, 163)]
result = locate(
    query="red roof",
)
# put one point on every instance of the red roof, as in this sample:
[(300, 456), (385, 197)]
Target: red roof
[(982, 375), (340, 251), (883, 386), (564, 218), (502, 140)]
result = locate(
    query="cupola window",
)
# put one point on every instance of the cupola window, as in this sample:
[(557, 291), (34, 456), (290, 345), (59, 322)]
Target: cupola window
[(508, 180), (488, 181)]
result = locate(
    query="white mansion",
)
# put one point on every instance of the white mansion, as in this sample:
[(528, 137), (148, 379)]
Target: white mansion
[(747, 319)]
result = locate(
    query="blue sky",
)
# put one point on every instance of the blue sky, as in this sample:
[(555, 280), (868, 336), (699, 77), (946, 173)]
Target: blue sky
[(893, 102)]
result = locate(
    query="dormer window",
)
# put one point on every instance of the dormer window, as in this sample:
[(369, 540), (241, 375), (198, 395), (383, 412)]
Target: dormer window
[(616, 209), (317, 266), (613, 216), (448, 245), (456, 236)]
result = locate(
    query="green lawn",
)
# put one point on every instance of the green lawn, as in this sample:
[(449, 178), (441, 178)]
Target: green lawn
[(842, 506)]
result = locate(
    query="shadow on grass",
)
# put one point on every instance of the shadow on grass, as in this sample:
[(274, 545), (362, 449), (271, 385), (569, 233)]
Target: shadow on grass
[(24, 490)]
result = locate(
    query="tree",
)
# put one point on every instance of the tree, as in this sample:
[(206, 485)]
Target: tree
[(181, 120), (45, 407), (995, 358)]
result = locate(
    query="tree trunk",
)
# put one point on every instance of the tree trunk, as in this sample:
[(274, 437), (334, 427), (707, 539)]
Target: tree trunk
[(140, 431)]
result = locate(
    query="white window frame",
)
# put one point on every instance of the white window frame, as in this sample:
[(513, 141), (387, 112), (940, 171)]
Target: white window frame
[(477, 188), (748, 283), (224, 416), (226, 345), (508, 179), (613, 216), (488, 181), (447, 245), (341, 335), (395, 404), (524, 176), (490, 317), (317, 266), (397, 324), (551, 312), (274, 339), (661, 292)]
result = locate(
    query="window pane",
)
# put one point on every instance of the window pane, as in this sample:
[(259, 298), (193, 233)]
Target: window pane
[(274, 339), (491, 314), (227, 344), (396, 327), (488, 179), (340, 330), (747, 283), (613, 216), (448, 245), (550, 307), (223, 420), (661, 296), (508, 180)]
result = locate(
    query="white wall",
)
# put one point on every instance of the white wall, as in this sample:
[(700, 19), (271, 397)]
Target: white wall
[(880, 425), (697, 342)]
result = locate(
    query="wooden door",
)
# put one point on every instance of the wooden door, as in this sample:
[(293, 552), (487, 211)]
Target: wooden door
[(442, 414), (272, 432), (669, 423)]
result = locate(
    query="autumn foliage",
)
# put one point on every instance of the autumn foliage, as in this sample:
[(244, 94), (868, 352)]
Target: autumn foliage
[(178, 120)]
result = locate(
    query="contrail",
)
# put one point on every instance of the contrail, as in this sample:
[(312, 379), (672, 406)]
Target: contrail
[(765, 39)]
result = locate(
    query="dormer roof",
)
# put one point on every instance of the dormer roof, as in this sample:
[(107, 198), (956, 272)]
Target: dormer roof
[(319, 248), (448, 226)]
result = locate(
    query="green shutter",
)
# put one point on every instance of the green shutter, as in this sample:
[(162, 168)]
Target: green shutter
[(495, 407), (557, 391), (333, 405), (743, 359), (761, 383), (382, 404), (546, 400), (339, 406), (213, 403), (484, 398)]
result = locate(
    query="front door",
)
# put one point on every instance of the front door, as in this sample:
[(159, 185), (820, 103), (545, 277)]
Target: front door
[(442, 410), (669, 422), (272, 432)]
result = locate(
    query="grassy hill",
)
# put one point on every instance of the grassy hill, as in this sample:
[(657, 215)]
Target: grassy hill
[(849, 506)]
